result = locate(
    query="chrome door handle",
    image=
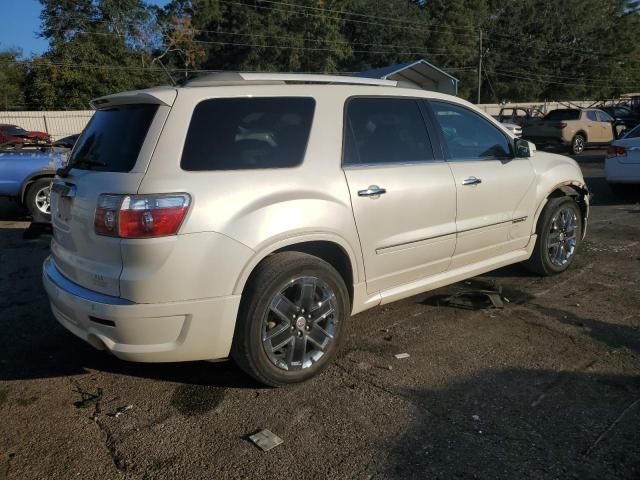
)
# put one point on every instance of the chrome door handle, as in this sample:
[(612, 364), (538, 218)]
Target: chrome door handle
[(372, 191), (471, 181)]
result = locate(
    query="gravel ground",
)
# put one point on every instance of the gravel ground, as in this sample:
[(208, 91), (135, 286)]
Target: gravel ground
[(548, 387)]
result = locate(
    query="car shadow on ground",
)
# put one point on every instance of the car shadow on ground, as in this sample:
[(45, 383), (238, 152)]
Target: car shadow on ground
[(11, 211), (34, 345), (521, 423), (601, 193)]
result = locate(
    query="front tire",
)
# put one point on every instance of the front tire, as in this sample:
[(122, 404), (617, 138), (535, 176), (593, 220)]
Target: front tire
[(38, 200), (559, 231), (578, 144), (292, 318)]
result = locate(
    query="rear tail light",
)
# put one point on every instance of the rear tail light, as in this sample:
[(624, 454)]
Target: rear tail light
[(140, 216), (616, 151), (562, 125)]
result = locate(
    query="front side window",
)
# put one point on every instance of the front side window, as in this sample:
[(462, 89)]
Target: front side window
[(591, 115), (385, 130), (248, 133), (468, 136), (604, 117)]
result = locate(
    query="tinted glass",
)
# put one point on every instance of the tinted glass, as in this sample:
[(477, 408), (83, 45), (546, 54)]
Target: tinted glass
[(13, 130), (248, 133), (468, 136), (112, 140), (635, 133), (385, 130), (591, 115), (563, 114), (604, 117)]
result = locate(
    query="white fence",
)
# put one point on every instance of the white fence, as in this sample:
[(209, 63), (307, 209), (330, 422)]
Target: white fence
[(57, 124)]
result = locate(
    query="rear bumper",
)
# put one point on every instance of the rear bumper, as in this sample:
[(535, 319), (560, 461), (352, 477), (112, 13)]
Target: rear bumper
[(618, 172), (160, 332)]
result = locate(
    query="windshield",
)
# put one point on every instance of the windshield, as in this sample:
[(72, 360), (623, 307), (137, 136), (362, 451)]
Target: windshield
[(564, 114), (112, 140), (635, 133)]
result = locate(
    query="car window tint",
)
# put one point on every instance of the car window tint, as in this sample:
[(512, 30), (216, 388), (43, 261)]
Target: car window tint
[(563, 114), (591, 115), (248, 133), (468, 136), (385, 130), (112, 140), (635, 133), (604, 116)]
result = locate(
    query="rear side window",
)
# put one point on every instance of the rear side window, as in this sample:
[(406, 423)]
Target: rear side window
[(112, 140), (248, 133), (563, 114), (385, 130)]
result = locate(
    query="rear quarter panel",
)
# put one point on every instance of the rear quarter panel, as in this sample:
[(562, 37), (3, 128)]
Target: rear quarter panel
[(250, 213)]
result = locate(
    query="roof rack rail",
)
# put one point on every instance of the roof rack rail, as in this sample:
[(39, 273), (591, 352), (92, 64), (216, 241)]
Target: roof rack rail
[(242, 78)]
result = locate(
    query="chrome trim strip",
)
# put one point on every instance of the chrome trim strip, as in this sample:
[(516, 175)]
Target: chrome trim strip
[(515, 220), (74, 289), (412, 242)]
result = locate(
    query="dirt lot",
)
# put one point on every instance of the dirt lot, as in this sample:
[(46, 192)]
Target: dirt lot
[(548, 387)]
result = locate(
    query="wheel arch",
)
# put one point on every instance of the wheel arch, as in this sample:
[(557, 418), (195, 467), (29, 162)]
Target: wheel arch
[(27, 182), (329, 247), (583, 133), (576, 190)]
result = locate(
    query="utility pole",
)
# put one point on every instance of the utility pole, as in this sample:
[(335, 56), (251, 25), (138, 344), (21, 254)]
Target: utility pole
[(480, 67)]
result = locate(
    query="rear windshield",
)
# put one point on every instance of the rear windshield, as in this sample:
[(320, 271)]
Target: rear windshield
[(563, 115), (248, 133), (112, 140)]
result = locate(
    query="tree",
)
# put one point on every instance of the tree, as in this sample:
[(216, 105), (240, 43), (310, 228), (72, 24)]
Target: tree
[(96, 48), (13, 74)]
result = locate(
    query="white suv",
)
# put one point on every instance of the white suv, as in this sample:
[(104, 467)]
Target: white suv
[(250, 215)]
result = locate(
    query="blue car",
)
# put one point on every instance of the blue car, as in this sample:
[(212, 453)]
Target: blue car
[(26, 175)]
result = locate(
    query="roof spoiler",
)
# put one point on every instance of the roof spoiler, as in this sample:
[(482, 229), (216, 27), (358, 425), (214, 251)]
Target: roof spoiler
[(158, 96)]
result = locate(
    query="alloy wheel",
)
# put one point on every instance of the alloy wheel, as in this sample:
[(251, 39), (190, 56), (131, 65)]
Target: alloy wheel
[(43, 200), (563, 236), (300, 324)]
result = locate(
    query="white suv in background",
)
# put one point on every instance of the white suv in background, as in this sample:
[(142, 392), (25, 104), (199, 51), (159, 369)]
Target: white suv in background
[(250, 215)]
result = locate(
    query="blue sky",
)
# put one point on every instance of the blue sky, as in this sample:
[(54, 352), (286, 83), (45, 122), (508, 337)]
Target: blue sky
[(20, 25)]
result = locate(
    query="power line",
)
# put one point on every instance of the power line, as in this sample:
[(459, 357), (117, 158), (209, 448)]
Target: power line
[(547, 81)]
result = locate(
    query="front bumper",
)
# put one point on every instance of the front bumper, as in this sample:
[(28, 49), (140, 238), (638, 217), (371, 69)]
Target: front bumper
[(160, 332)]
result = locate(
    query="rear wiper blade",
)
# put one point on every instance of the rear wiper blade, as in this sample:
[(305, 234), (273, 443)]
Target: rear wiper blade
[(64, 172)]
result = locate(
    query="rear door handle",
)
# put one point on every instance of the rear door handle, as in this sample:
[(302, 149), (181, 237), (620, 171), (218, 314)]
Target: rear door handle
[(471, 181), (372, 191)]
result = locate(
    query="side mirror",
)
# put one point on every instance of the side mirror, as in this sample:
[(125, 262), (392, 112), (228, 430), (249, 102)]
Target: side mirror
[(524, 148)]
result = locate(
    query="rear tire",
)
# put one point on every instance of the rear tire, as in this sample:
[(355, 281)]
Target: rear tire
[(559, 231), (38, 200), (292, 319), (578, 144)]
